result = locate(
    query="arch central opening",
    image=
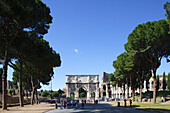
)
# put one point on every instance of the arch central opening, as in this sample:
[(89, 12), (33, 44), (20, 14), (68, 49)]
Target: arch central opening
[(82, 93)]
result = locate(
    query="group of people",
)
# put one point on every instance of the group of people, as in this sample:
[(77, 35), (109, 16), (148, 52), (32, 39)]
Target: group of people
[(71, 103), (164, 99)]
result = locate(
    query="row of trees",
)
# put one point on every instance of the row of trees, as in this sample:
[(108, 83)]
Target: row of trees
[(55, 94), (165, 82), (147, 45), (22, 47)]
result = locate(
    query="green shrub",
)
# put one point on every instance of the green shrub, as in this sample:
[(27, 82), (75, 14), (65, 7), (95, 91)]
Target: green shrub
[(44, 94), (11, 91), (55, 94)]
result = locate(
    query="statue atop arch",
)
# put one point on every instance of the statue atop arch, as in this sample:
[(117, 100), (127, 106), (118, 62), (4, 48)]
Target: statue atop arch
[(90, 83)]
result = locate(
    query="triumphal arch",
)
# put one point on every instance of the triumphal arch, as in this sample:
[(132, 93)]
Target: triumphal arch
[(88, 82)]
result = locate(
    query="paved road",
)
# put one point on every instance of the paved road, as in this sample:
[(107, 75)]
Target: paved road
[(96, 108)]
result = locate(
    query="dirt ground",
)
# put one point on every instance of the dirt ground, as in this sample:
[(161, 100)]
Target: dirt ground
[(41, 108)]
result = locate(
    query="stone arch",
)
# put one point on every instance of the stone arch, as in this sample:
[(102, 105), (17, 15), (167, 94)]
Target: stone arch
[(104, 87), (110, 94), (82, 86), (82, 92), (93, 95), (90, 83), (104, 94)]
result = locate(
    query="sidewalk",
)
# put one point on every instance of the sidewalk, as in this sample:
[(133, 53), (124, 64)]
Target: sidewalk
[(41, 108)]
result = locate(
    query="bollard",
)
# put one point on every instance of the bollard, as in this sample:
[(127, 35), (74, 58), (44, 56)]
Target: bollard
[(125, 102), (56, 106), (118, 104), (130, 103)]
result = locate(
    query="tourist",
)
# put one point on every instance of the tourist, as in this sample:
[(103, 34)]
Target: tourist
[(77, 103), (162, 98), (71, 103), (82, 101), (96, 101), (61, 104), (67, 104), (130, 102), (74, 102), (64, 104)]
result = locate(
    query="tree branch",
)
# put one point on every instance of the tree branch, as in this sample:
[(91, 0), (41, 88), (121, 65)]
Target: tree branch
[(2, 62), (14, 66)]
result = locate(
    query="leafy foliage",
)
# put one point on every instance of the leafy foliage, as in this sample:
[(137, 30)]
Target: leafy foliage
[(44, 93), (11, 91), (16, 18), (55, 94), (82, 93), (167, 8)]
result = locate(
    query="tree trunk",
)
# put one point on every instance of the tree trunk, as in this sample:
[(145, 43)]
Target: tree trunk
[(127, 94), (20, 87), (4, 81), (123, 92), (133, 94), (36, 95), (132, 88), (33, 91), (141, 85), (32, 95), (27, 94), (141, 90), (155, 85)]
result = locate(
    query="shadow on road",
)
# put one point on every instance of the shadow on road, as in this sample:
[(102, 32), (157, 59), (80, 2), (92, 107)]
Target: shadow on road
[(97, 108)]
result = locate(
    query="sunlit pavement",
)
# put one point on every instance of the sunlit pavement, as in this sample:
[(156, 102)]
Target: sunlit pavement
[(96, 108)]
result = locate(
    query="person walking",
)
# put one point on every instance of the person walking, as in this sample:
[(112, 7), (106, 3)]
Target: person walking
[(76, 103), (162, 98), (82, 101), (67, 104), (64, 104), (61, 104)]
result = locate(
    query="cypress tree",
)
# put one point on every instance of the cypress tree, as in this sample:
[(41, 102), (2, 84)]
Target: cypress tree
[(164, 81), (168, 83)]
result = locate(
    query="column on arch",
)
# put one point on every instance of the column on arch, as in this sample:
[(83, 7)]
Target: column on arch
[(67, 90), (112, 92), (107, 91), (76, 92), (88, 91), (97, 91), (88, 88)]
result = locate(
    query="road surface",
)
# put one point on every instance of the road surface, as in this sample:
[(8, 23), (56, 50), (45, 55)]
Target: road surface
[(96, 108)]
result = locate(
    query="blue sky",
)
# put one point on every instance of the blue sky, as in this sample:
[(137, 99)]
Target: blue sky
[(90, 34)]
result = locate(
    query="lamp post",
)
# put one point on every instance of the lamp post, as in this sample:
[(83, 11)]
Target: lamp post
[(51, 86)]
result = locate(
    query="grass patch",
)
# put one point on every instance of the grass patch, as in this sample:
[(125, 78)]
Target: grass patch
[(156, 108), (147, 106)]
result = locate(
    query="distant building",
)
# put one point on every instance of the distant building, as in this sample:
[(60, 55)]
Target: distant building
[(9, 85), (108, 91), (64, 89)]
